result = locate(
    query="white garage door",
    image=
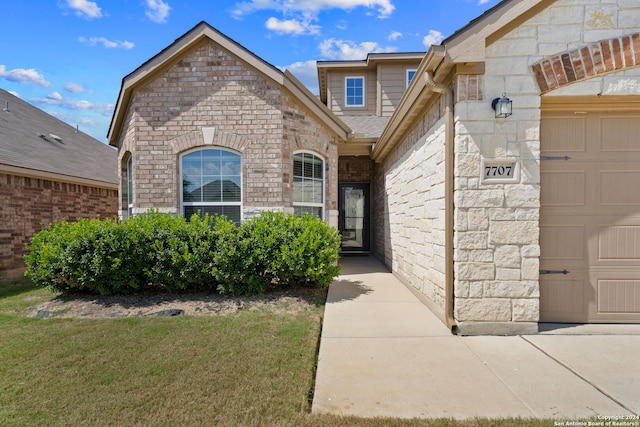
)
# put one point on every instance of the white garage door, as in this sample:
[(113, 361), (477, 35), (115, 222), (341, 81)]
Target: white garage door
[(590, 217)]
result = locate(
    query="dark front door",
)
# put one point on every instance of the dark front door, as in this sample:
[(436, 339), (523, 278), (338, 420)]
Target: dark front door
[(354, 217)]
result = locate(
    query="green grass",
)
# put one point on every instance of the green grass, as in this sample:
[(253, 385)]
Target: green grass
[(249, 369)]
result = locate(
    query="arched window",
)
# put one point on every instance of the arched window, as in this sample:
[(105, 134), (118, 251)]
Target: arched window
[(130, 186), (308, 184), (126, 185), (211, 183)]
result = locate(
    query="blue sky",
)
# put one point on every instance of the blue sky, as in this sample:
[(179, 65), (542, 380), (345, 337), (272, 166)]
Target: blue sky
[(68, 57)]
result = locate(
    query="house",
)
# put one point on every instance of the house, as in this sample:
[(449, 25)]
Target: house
[(49, 171), (207, 114), (496, 175)]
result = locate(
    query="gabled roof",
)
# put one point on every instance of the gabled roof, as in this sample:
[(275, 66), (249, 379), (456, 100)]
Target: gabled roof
[(370, 63), (33, 142), (205, 31)]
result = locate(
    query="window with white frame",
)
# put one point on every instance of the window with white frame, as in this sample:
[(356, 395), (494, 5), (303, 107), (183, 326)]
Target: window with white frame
[(410, 74), (129, 171), (354, 91), (212, 183), (308, 184)]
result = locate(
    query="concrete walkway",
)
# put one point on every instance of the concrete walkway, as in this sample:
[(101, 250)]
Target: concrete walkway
[(384, 354)]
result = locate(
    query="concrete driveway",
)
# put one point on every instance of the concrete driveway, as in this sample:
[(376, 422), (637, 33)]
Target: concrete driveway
[(384, 354)]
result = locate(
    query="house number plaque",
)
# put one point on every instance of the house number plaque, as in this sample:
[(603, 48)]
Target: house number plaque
[(499, 171)]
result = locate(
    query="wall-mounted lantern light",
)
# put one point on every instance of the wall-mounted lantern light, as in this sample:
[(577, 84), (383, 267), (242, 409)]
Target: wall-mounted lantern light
[(502, 106)]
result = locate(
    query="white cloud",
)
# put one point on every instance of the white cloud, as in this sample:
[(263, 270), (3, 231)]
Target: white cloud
[(85, 8), (109, 44), (16, 94), (307, 73), (434, 37), (394, 35), (20, 75), (384, 7), (55, 98), (157, 11), (292, 26), (75, 88), (347, 49)]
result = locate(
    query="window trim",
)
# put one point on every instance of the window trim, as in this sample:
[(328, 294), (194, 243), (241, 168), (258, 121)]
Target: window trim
[(324, 183), (129, 168), (181, 186), (409, 70), (364, 92)]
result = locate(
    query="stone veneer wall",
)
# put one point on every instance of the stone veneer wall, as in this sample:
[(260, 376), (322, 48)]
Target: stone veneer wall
[(209, 90), (27, 203), (409, 207), (497, 236)]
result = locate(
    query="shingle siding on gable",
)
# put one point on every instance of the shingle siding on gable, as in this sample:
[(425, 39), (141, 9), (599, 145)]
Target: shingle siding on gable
[(337, 101), (27, 203)]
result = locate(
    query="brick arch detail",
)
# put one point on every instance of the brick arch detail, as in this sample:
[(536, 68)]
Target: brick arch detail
[(222, 139), (587, 61)]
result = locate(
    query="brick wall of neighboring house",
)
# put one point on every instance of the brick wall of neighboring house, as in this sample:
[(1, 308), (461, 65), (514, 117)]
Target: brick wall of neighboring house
[(209, 90), (26, 203)]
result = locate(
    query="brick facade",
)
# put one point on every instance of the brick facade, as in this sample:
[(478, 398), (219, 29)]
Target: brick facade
[(355, 170), (28, 203), (207, 90), (587, 61)]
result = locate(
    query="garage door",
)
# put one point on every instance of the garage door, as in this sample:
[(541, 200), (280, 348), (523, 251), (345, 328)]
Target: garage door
[(590, 217)]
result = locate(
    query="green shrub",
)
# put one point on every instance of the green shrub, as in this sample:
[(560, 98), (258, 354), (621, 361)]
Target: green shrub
[(169, 253), (276, 249)]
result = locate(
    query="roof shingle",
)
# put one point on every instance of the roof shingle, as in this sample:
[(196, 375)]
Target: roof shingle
[(33, 139)]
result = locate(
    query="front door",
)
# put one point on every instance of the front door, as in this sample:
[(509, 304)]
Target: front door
[(354, 217)]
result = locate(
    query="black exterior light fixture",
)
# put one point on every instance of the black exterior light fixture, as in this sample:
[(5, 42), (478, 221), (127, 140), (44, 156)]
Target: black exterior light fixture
[(502, 106)]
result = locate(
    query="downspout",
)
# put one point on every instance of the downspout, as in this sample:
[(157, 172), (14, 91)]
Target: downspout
[(449, 153)]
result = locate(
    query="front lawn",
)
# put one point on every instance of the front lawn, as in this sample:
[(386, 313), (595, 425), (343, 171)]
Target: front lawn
[(254, 368)]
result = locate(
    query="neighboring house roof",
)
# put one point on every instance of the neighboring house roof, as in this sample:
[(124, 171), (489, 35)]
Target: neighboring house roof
[(201, 31), (371, 62), (33, 142)]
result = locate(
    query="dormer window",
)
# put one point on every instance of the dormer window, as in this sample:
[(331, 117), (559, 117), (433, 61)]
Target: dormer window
[(354, 91), (410, 74)]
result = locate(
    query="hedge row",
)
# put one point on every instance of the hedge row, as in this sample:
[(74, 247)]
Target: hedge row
[(166, 253)]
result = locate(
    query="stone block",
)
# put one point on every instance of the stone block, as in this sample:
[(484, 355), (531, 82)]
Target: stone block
[(508, 256), (479, 198), (507, 274), (530, 269), (483, 310), (530, 251), (526, 310), (471, 240), (513, 232), (510, 289), (474, 271), (522, 196), (478, 220)]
